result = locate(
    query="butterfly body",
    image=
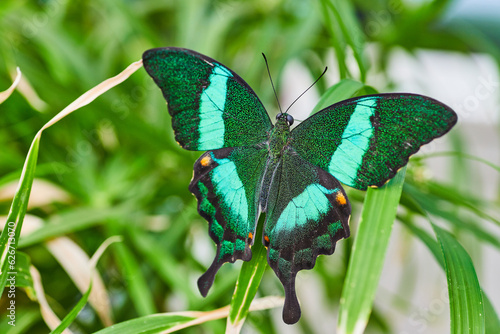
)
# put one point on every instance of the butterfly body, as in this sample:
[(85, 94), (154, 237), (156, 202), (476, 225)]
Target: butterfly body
[(293, 176)]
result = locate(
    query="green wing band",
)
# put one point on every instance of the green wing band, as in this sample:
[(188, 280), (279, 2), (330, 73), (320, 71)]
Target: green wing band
[(354, 143), (307, 213), (364, 141), (225, 183), (210, 105)]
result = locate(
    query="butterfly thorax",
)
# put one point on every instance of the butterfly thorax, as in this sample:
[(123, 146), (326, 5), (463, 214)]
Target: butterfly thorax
[(278, 138)]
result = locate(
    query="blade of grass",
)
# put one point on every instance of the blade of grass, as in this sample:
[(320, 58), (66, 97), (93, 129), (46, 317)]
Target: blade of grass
[(492, 322), (48, 315), (72, 221), (344, 16), (342, 90), (434, 205), (68, 319), (248, 282), (6, 93), (11, 232), (23, 276), (25, 319), (10, 235), (337, 42), (460, 154), (137, 287), (172, 322), (368, 254), (466, 301)]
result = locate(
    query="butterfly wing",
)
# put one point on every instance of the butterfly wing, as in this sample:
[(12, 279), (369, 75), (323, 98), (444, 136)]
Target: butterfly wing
[(365, 140), (211, 106), (226, 185), (307, 213)]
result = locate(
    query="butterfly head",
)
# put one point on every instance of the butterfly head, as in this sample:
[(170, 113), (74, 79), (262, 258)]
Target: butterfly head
[(287, 117)]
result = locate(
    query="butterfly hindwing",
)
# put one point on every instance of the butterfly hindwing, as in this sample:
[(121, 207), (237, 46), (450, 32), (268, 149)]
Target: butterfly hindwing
[(210, 105), (364, 141), (307, 213), (225, 183)]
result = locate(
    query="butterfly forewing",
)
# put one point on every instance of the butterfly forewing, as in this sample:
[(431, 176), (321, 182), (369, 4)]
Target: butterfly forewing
[(210, 105), (225, 183), (307, 213), (365, 140)]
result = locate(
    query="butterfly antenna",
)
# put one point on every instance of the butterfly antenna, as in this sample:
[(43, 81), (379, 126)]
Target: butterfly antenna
[(326, 68), (272, 84)]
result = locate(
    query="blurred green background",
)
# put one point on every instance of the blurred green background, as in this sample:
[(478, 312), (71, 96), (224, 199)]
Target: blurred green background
[(113, 167)]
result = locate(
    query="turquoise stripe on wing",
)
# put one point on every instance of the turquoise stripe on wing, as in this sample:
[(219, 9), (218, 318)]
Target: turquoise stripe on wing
[(307, 212), (308, 207), (212, 104), (225, 185), (228, 186), (348, 157)]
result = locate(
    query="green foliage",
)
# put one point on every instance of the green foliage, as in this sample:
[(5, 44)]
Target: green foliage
[(368, 254), (113, 167)]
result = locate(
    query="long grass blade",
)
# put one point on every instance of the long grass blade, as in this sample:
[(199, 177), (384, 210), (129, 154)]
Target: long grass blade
[(368, 254), (175, 321), (466, 300), (248, 281), (68, 319), (342, 90), (10, 235), (6, 93), (492, 322), (11, 232)]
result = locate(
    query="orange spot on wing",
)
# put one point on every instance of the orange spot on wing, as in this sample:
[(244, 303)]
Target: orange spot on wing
[(250, 236), (205, 161), (266, 239), (341, 200)]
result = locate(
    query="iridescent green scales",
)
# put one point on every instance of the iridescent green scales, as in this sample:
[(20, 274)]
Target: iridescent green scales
[(292, 176), (363, 141), (201, 92)]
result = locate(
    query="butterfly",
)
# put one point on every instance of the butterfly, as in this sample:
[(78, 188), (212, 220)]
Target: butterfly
[(293, 176)]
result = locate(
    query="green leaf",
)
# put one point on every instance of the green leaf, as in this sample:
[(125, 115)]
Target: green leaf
[(12, 230), (248, 281), (25, 319), (137, 286), (342, 90), (73, 221), (175, 321), (68, 319), (344, 29), (368, 254), (163, 262), (447, 210), (23, 276), (492, 322), (154, 323), (466, 300)]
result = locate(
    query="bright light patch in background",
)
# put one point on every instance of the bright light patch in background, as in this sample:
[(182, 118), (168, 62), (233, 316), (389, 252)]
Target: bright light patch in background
[(468, 84)]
